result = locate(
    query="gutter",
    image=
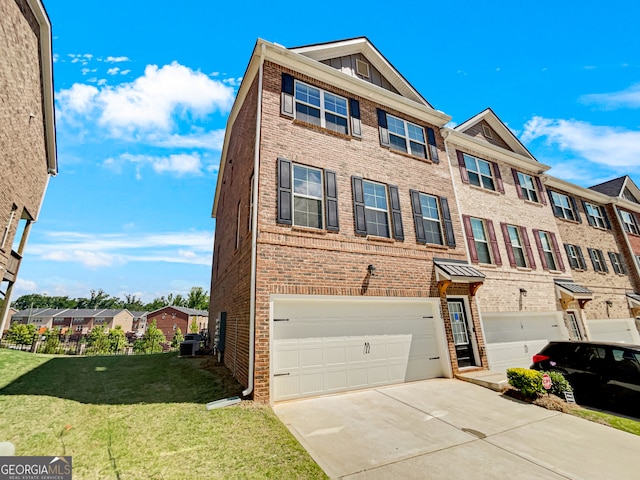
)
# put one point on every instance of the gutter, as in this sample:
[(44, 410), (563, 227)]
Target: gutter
[(254, 233)]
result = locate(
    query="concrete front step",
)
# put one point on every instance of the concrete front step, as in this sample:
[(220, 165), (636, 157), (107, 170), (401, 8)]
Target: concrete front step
[(486, 378)]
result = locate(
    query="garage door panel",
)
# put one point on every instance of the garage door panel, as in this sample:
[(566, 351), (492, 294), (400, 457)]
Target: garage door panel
[(372, 344)]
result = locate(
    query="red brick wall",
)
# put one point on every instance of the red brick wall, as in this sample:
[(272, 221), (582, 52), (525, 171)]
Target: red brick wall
[(22, 139), (165, 321), (231, 271)]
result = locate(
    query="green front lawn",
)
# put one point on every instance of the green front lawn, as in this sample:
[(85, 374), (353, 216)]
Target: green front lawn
[(621, 423), (130, 417)]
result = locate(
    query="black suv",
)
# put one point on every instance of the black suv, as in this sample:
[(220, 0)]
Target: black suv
[(602, 374)]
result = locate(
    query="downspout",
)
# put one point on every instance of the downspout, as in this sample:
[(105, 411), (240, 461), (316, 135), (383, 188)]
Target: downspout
[(445, 136), (254, 232)]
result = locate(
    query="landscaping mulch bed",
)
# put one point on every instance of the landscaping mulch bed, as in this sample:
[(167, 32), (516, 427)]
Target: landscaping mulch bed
[(549, 401)]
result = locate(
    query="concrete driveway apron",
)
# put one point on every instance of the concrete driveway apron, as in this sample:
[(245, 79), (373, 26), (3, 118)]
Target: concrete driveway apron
[(446, 428)]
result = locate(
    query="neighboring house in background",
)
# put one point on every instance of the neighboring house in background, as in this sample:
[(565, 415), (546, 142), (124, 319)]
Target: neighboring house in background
[(339, 258), (35, 316), (111, 318), (139, 323), (12, 311), (597, 256), (512, 238), (170, 318), (27, 139)]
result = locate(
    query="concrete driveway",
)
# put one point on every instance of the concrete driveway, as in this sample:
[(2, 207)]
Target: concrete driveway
[(446, 428)]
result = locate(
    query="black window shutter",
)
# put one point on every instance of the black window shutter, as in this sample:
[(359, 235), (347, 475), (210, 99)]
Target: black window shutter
[(358, 206), (507, 241), (448, 224), (590, 219), (612, 259), (527, 246), (557, 211), (356, 126), (498, 176), (624, 225), (331, 200), (594, 262), (604, 263), (497, 259), (583, 263), (433, 149), (284, 192), (603, 211), (574, 204), (286, 102), (464, 175), (417, 216), (382, 126), (540, 191), (543, 260), (398, 231), (556, 251), (516, 182), (468, 230), (567, 249), (621, 263)]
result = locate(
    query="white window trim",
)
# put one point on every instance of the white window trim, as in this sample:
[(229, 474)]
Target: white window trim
[(520, 245), (530, 194), (595, 212), (321, 108), (569, 208), (550, 250), (407, 139), (480, 175), (377, 209), (573, 255), (294, 194), (439, 220), (630, 222), (599, 262), (486, 240)]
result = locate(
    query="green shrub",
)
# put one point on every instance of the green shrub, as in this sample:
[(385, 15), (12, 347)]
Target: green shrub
[(559, 384), (529, 382)]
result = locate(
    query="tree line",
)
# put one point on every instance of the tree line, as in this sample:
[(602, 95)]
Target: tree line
[(197, 298)]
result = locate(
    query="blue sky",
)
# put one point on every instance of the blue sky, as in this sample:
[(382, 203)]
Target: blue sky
[(143, 90)]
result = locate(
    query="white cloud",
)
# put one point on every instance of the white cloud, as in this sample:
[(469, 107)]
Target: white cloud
[(180, 164), (610, 146), (80, 98), (106, 250), (211, 140), (24, 285), (111, 59), (150, 102), (234, 82), (124, 72), (627, 98), (56, 58), (113, 71)]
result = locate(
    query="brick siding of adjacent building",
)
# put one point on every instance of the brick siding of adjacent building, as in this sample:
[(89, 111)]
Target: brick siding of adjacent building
[(22, 137)]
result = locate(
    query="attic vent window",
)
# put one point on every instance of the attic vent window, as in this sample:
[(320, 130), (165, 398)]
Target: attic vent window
[(486, 131), (362, 68)]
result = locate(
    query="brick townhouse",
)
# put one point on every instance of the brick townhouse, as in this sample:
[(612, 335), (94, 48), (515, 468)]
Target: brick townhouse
[(512, 238), (27, 136), (593, 240), (170, 318), (339, 258)]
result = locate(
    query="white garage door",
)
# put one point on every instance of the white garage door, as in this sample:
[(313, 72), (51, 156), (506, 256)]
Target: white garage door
[(330, 344)]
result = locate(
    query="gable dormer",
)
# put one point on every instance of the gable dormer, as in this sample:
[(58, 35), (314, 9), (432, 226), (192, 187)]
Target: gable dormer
[(486, 127), (357, 57)]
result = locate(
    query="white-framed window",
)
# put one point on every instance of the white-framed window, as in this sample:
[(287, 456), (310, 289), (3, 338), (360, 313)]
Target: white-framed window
[(79, 328), (481, 240), (627, 195), (516, 246), (406, 137), (574, 254), (597, 259), (307, 196), (562, 206), (479, 172), (78, 320), (529, 191), (431, 219), (629, 222), (321, 108), (595, 215), (616, 262), (547, 249), (376, 209), (100, 320)]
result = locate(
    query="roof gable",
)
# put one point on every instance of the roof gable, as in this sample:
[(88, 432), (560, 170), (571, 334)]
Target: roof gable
[(342, 55), (487, 127), (622, 187)]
